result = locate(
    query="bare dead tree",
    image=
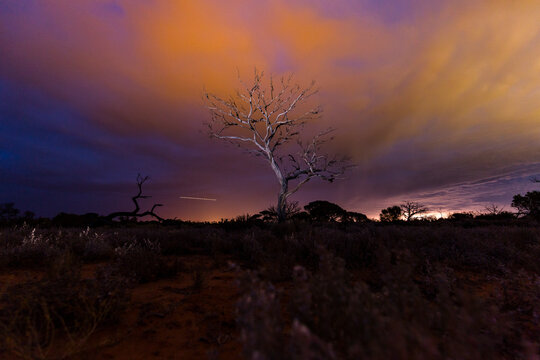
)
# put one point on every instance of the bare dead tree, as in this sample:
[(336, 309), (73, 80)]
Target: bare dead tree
[(411, 209), (135, 213), (494, 209), (264, 118)]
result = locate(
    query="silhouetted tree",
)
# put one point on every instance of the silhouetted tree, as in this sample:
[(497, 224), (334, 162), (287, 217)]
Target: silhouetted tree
[(495, 212), (493, 209), (264, 117), (355, 217), (392, 213), (136, 212), (459, 216), (410, 209), (74, 220), (325, 211), (28, 215), (528, 204), (8, 211), (302, 215), (503, 215)]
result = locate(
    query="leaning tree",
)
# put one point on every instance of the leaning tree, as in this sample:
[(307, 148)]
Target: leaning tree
[(266, 117)]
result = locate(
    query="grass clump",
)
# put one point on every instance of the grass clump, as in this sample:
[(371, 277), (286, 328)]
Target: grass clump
[(141, 261)]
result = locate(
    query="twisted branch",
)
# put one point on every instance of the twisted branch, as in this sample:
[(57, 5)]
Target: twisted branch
[(135, 213)]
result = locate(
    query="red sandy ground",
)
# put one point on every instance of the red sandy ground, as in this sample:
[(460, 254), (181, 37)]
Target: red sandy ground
[(168, 319)]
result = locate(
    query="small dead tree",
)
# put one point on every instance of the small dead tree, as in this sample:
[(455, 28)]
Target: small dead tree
[(264, 118), (136, 212), (493, 210), (411, 209)]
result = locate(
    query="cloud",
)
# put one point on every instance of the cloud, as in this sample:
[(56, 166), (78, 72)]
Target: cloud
[(424, 95)]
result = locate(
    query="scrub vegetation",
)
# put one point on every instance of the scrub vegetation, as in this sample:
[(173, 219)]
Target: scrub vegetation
[(336, 286)]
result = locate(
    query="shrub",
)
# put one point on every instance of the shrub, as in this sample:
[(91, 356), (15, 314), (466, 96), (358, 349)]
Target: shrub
[(55, 317), (32, 249), (95, 246), (259, 317), (142, 262), (392, 213), (347, 319)]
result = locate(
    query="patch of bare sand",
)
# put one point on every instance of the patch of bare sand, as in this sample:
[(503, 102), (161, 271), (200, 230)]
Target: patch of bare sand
[(176, 318)]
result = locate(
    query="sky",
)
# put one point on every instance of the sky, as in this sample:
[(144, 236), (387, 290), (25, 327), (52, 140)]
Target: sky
[(435, 101)]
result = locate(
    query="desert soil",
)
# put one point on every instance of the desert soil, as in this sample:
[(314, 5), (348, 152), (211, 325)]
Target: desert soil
[(169, 318)]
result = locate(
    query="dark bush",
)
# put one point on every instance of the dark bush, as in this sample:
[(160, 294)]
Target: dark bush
[(325, 211), (346, 319), (142, 262)]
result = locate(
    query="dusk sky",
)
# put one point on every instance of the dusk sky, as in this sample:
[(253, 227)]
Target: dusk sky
[(435, 101)]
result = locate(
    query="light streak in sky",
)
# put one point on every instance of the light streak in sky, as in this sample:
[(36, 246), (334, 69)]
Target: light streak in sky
[(196, 198)]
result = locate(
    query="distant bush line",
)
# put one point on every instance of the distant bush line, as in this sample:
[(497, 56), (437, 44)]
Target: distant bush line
[(319, 211)]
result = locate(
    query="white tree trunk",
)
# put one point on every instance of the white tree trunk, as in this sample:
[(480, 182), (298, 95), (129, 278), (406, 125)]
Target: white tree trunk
[(282, 201), (283, 188)]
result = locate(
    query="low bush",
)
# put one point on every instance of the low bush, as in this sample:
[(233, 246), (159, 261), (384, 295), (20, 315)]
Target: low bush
[(404, 318), (141, 261), (54, 317), (32, 249), (419, 290)]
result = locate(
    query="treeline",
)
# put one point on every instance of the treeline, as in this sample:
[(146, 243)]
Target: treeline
[(10, 215), (319, 211), (527, 206), (409, 212)]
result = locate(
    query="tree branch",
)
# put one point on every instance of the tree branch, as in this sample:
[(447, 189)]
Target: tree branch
[(135, 213)]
